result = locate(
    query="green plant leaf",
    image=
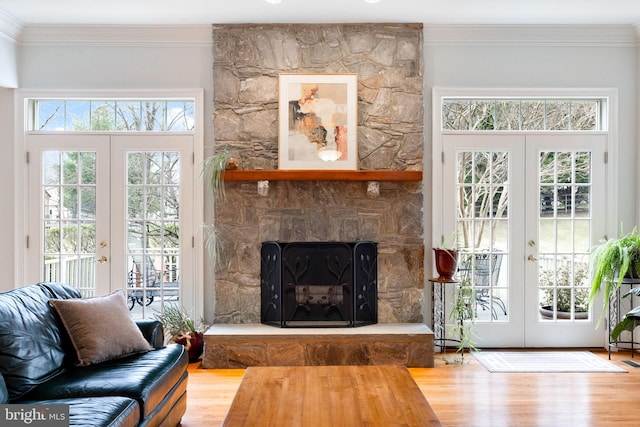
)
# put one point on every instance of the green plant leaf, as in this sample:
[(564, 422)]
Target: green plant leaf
[(212, 172), (176, 321), (625, 324), (213, 169), (463, 316), (633, 291), (610, 263)]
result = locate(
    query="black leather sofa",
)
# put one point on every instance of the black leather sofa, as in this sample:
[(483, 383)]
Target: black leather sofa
[(38, 365)]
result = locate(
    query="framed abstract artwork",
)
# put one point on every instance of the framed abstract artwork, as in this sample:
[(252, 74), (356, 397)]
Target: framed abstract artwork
[(318, 122)]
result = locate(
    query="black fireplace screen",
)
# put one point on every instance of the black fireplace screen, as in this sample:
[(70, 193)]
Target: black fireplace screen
[(321, 284)]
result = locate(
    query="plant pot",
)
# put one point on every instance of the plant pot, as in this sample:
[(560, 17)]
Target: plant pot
[(547, 312), (194, 344), (446, 263)]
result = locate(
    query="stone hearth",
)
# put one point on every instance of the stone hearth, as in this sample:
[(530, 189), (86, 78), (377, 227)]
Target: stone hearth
[(243, 345)]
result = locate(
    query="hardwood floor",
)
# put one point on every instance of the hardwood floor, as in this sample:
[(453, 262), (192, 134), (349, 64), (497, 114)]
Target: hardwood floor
[(469, 395)]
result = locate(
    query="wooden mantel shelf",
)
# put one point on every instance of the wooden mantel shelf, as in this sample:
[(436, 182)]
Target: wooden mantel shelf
[(322, 175)]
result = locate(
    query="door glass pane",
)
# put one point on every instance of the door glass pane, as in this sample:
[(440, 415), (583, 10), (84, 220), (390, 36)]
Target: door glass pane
[(507, 115), (482, 205), (557, 115), (564, 235), (128, 115), (153, 232), (68, 194)]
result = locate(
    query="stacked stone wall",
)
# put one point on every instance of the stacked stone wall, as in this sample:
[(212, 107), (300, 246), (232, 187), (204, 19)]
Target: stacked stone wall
[(388, 62)]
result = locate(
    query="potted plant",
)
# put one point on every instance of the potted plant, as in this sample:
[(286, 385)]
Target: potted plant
[(446, 258), (181, 329), (562, 300), (611, 262)]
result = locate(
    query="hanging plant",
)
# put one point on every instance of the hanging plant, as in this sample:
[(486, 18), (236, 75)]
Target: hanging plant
[(463, 316), (213, 169), (212, 173)]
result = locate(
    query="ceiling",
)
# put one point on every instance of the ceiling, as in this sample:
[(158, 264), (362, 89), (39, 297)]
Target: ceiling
[(187, 12)]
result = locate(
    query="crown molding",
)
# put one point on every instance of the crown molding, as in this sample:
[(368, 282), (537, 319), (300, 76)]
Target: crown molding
[(10, 27), (532, 35), (117, 35), (434, 35)]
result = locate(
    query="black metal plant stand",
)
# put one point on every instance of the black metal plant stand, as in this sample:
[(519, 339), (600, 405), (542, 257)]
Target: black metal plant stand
[(438, 314), (616, 313)]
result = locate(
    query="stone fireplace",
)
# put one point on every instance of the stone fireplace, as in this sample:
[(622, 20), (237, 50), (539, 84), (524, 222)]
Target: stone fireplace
[(319, 284), (387, 59)]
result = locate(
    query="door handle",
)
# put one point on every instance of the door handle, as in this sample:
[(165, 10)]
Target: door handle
[(531, 258), (103, 259)]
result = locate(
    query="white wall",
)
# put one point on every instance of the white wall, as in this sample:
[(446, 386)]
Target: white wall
[(637, 74), (8, 80), (7, 182), (566, 64), (9, 30), (108, 67), (8, 67)]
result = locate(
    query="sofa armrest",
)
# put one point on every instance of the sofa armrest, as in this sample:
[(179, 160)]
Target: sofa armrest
[(152, 331)]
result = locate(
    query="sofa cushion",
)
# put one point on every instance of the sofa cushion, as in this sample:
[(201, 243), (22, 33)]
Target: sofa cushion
[(147, 377), (111, 411), (100, 328), (32, 347)]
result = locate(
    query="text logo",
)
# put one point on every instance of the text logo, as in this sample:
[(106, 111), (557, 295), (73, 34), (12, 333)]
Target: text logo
[(34, 415)]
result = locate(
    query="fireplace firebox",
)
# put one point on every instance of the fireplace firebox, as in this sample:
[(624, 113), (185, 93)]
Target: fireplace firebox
[(319, 284)]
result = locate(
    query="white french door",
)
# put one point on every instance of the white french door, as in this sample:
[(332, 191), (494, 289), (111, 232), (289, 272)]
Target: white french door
[(107, 211), (527, 208), (565, 200), (483, 201), (69, 236)]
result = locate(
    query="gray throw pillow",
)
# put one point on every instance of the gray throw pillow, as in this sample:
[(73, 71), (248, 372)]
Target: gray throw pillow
[(100, 328)]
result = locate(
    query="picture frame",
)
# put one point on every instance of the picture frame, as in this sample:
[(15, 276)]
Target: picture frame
[(318, 122)]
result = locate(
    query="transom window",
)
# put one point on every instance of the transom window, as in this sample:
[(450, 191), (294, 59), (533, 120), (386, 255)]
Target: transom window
[(518, 114), (112, 115)]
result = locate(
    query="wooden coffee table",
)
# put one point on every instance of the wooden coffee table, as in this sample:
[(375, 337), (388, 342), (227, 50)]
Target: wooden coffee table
[(329, 396)]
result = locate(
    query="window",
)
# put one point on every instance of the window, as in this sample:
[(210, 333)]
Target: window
[(517, 114), (112, 115)]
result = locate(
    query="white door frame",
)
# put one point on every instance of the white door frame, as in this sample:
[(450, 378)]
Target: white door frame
[(609, 97), (22, 122)]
